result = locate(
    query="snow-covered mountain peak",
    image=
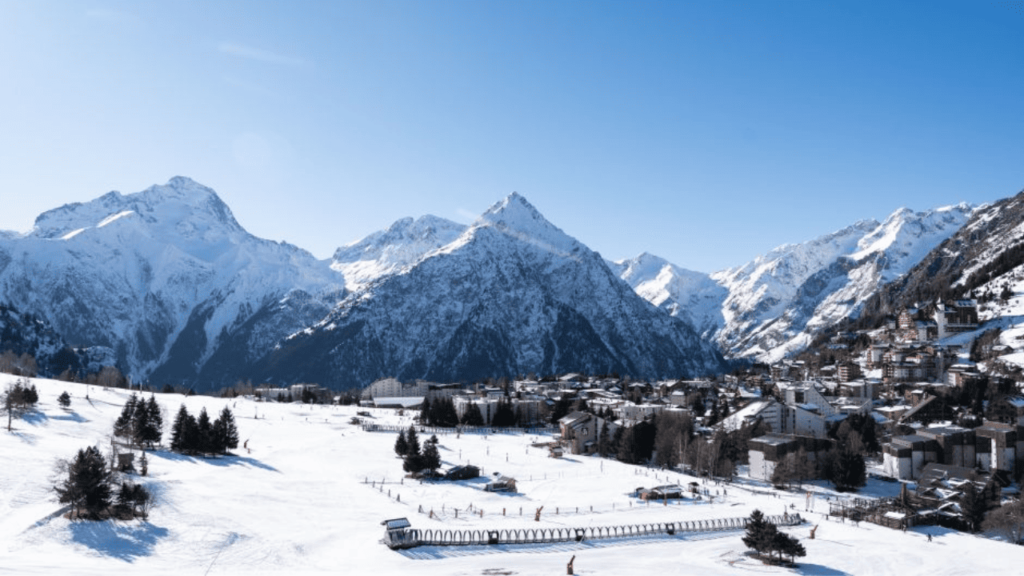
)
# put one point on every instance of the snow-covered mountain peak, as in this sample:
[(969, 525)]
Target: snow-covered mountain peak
[(514, 212), (181, 203), (772, 305), (516, 217), (906, 236), (642, 267), (399, 246)]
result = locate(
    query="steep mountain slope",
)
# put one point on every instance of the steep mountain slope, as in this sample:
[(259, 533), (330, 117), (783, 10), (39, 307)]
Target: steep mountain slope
[(664, 284), (160, 277), (773, 305), (988, 246), (512, 294), (27, 334), (389, 251)]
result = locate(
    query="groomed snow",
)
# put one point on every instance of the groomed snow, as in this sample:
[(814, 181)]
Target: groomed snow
[(296, 502)]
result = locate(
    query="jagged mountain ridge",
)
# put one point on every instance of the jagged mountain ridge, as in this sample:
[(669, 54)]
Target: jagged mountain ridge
[(178, 292), (693, 297), (987, 247), (159, 277), (772, 306), (512, 294), (386, 252)]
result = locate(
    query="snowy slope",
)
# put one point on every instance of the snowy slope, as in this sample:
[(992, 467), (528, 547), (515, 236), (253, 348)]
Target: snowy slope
[(512, 294), (158, 276), (392, 250), (296, 502), (663, 284), (772, 306)]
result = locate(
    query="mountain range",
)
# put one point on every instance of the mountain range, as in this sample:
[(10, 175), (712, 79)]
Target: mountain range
[(773, 305), (167, 284), (172, 287)]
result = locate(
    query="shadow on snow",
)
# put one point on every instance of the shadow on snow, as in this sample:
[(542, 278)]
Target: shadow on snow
[(229, 460), (124, 541), (72, 417)]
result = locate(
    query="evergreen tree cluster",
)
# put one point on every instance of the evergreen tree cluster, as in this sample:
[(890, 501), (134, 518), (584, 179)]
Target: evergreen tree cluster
[(64, 399), (441, 412), (140, 422), (473, 416), (191, 435), (407, 446), (87, 486), (844, 468), (765, 538), (133, 500), (504, 415)]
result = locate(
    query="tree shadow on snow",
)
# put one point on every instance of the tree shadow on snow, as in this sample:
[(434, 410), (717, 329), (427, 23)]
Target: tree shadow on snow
[(34, 417), (240, 461), (26, 437), (817, 570), (72, 417), (229, 460), (124, 541)]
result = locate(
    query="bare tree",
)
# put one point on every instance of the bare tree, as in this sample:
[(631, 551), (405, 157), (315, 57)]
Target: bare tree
[(1008, 520), (17, 399), (26, 365), (110, 377), (7, 361)]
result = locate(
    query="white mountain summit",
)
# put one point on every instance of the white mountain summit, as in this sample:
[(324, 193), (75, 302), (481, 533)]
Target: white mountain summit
[(157, 276), (512, 294), (178, 292), (771, 306)]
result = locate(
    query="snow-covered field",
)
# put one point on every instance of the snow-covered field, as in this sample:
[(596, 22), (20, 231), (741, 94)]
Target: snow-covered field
[(297, 501)]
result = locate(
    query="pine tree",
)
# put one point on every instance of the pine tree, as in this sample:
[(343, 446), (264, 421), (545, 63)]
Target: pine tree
[(603, 440), (448, 416), (224, 433), (87, 485), (472, 416), (204, 433), (413, 441), (786, 545), (153, 431), (140, 422), (191, 439), (627, 451), (401, 446), (431, 458), (425, 412), (847, 471), (123, 424), (178, 429), (504, 417), (64, 399), (760, 533), (125, 497)]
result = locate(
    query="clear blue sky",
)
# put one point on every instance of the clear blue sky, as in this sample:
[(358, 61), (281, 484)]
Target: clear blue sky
[(706, 132)]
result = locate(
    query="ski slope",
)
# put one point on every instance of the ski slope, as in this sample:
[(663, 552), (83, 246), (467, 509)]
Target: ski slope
[(305, 498)]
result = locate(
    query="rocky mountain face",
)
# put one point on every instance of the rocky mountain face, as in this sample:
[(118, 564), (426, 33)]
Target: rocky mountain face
[(512, 294), (773, 306), (159, 277), (27, 334), (967, 264)]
